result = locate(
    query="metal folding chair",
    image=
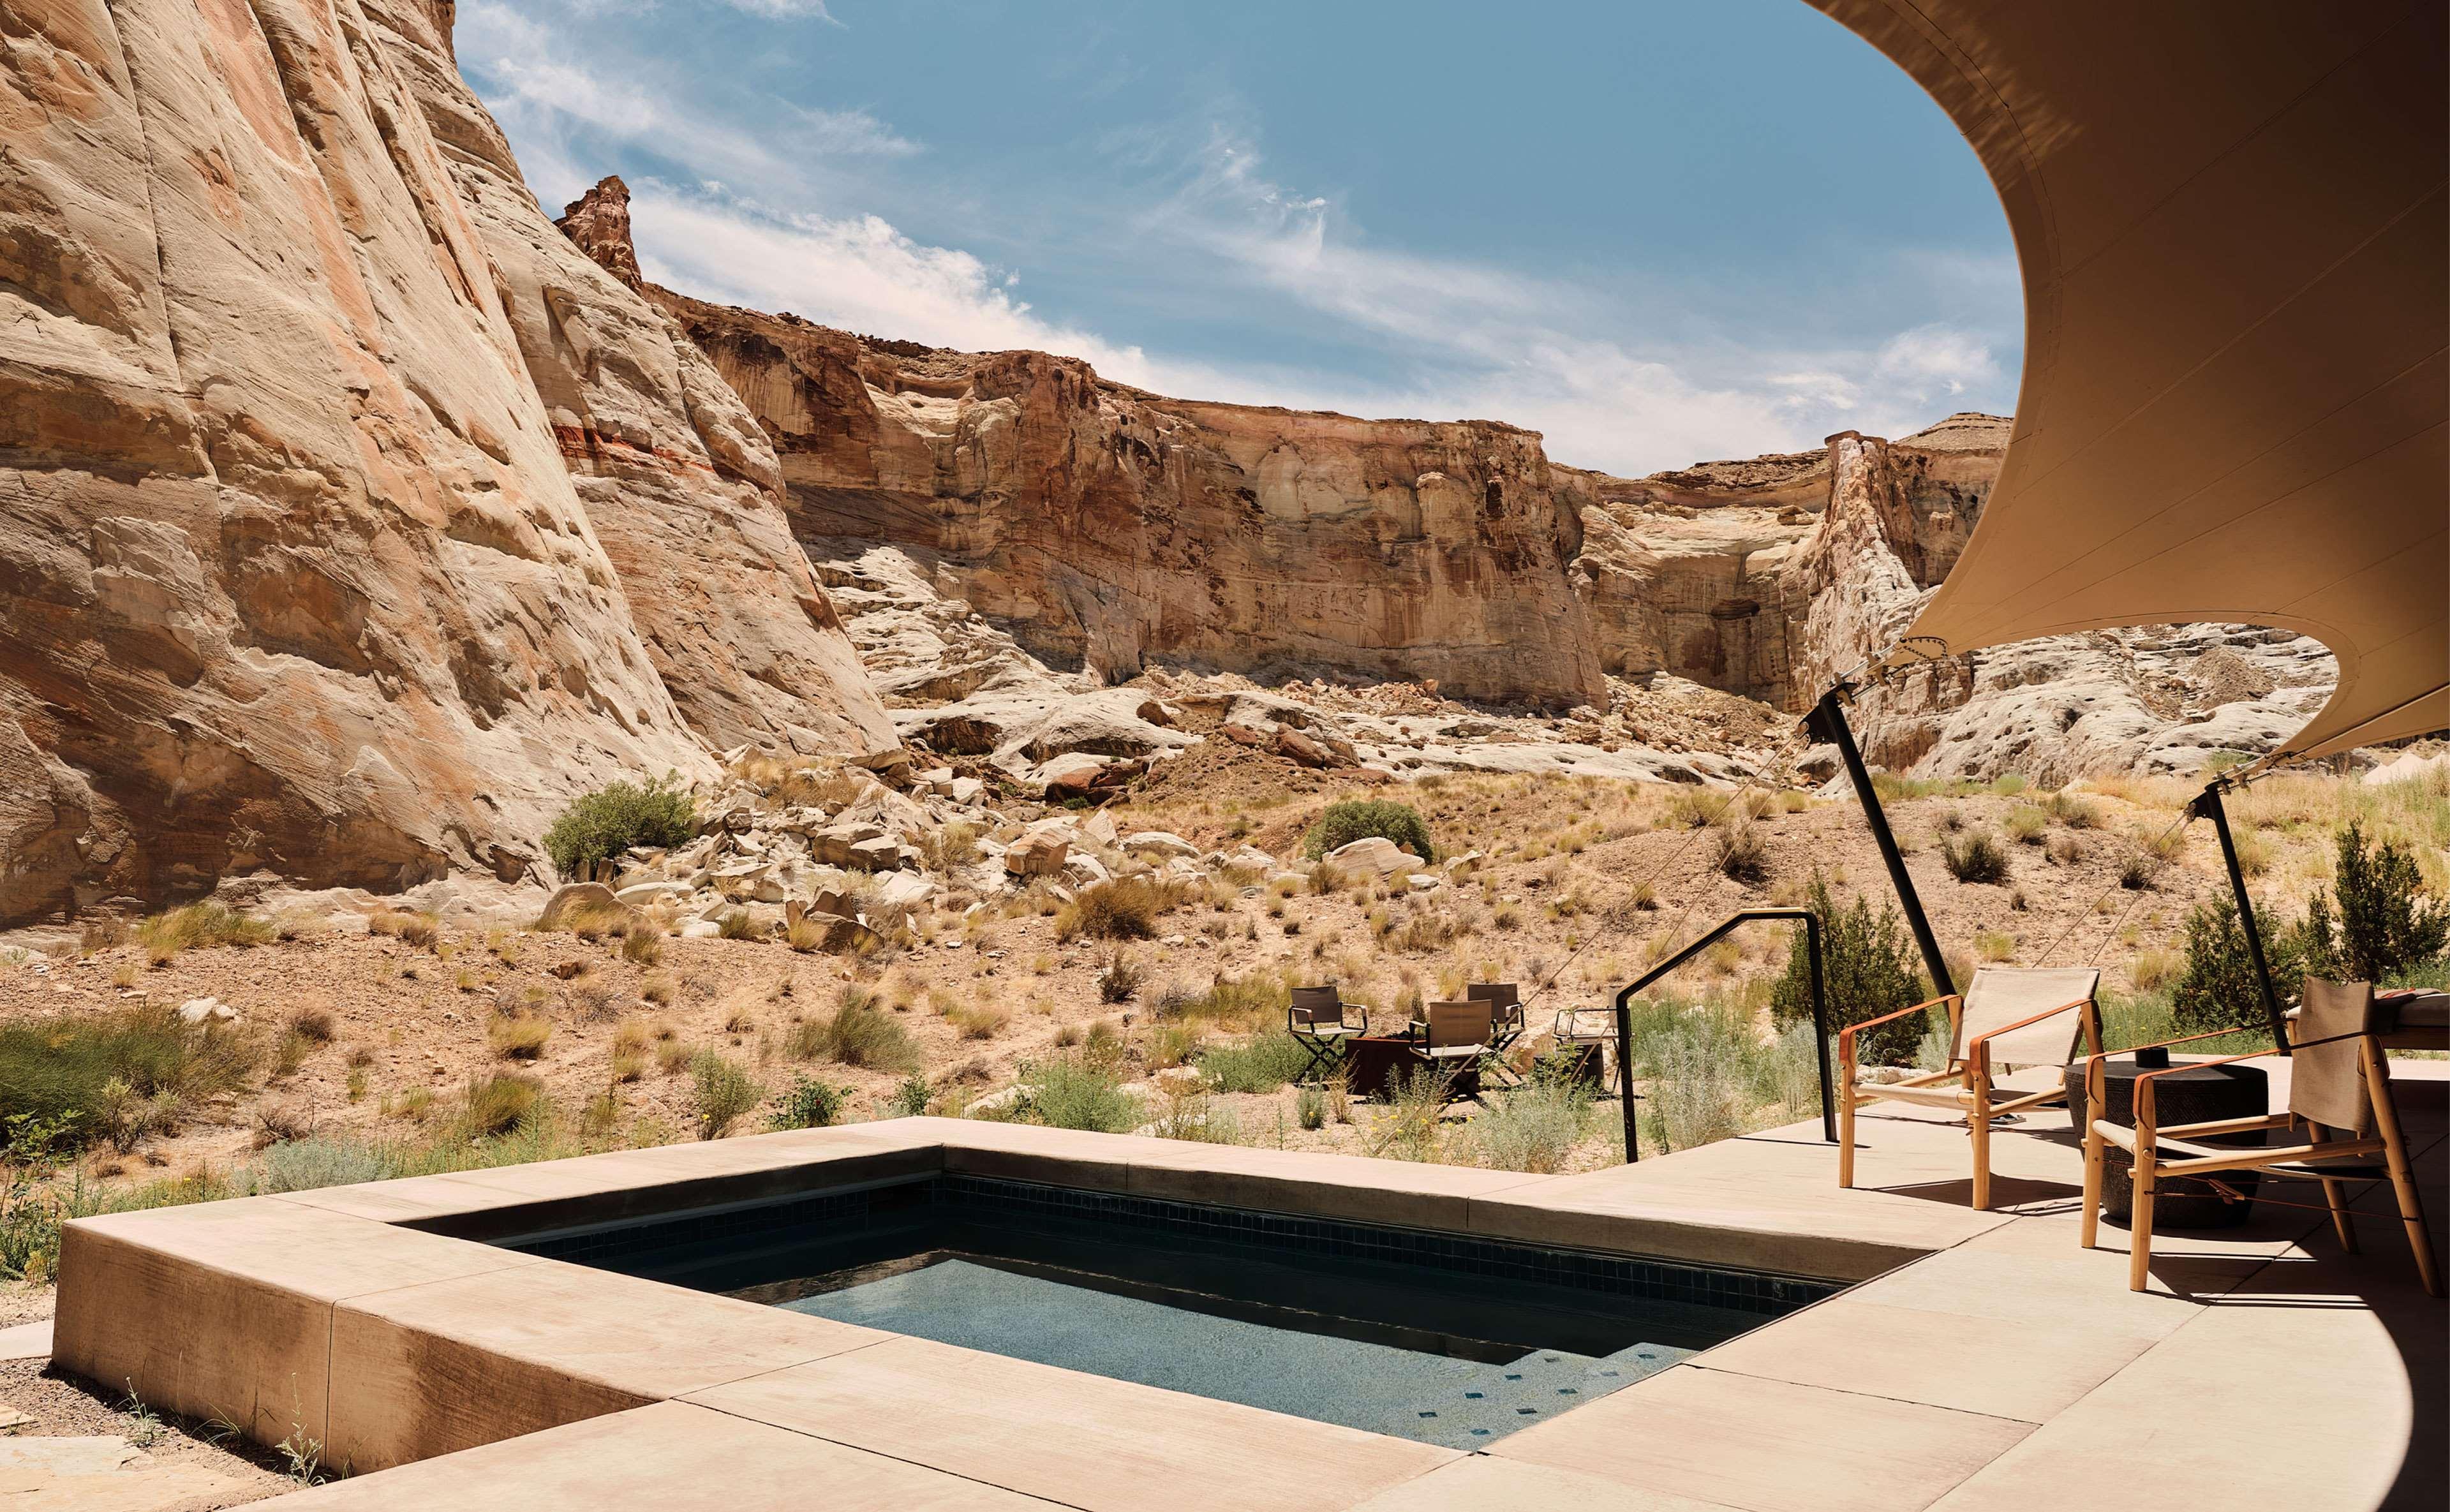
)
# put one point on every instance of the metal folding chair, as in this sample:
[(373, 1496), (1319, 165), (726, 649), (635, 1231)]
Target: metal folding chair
[(1318, 1019), (1506, 1022)]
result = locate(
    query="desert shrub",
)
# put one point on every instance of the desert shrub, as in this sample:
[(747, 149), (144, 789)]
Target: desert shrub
[(1083, 1090), (950, 845), (2074, 810), (1309, 1107), (1359, 817), (1119, 979), (809, 1103), (1974, 858), (2135, 874), (1229, 1002), (2153, 970), (496, 1105), (1534, 1128), (1867, 970), (1697, 808), (1412, 1125), (976, 1020), (518, 1036), (2026, 824), (1127, 909), (2216, 988), (313, 1024), (643, 946), (720, 1091), (1262, 1063), (323, 1160), (199, 926), (57, 1073), (601, 825), (860, 1033), (1993, 945), (1744, 856), (736, 924), (2386, 924), (908, 1099)]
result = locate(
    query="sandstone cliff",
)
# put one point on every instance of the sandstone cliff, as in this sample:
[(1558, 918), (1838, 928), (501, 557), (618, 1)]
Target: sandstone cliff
[(1107, 527), (293, 574)]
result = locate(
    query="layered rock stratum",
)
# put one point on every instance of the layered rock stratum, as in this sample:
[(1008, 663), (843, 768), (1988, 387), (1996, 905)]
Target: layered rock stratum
[(353, 518), (349, 520)]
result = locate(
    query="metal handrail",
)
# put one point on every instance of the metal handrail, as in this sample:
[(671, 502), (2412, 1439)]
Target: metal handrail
[(1819, 1014)]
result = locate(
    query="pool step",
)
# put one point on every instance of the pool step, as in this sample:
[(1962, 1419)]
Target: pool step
[(1487, 1402)]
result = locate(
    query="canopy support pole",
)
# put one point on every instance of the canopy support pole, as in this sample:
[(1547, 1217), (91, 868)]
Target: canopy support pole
[(2208, 805), (1827, 722)]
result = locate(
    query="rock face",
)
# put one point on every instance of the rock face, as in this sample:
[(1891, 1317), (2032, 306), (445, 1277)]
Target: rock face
[(296, 575), (1107, 528)]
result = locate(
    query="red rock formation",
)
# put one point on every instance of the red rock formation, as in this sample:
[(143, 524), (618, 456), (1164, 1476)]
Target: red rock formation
[(1109, 525), (295, 573)]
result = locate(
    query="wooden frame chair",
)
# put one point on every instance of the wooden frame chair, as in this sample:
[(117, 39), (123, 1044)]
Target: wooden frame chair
[(2339, 1081), (1317, 1018), (2008, 1017)]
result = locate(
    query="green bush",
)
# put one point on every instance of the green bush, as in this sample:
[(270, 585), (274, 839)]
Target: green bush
[(1360, 818), (608, 820), (1867, 970), (1127, 909), (2386, 924), (1534, 1127), (720, 1092), (67, 1081), (911, 1098), (809, 1103), (323, 1160), (1263, 1063), (499, 1104), (2217, 989), (1079, 1092)]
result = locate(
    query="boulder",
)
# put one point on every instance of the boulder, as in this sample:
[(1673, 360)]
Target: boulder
[(842, 937), (1243, 735), (1163, 843), (902, 889), (1307, 751), (581, 898), (1375, 854), (207, 1010), (1038, 855)]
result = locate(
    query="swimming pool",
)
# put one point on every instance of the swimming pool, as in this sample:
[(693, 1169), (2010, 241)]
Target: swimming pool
[(1443, 1338)]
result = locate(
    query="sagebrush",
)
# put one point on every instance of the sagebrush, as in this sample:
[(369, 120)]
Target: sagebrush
[(601, 825)]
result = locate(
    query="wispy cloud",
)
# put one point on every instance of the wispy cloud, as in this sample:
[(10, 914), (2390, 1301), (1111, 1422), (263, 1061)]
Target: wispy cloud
[(767, 203)]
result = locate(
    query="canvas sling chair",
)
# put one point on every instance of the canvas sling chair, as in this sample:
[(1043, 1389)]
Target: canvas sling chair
[(1454, 1038), (1320, 1021), (1505, 1001), (2009, 1016), (2339, 1084)]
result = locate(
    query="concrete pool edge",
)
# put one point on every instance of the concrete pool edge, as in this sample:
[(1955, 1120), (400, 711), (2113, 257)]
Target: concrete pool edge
[(377, 1321)]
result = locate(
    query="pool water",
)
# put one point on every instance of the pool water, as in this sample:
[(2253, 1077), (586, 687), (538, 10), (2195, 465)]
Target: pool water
[(1310, 1372), (1452, 1339)]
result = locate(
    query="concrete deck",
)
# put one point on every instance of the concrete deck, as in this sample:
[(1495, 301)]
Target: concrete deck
[(1984, 1362)]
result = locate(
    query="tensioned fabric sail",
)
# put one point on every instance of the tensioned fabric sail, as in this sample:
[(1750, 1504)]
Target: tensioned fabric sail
[(2231, 223)]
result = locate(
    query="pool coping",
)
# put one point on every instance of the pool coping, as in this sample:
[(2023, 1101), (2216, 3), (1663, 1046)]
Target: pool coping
[(377, 1320)]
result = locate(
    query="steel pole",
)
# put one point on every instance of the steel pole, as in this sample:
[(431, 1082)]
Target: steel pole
[(2207, 805), (1828, 720)]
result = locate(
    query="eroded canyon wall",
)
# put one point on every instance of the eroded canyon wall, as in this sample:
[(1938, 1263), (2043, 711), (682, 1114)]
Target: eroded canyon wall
[(293, 573), (1107, 526)]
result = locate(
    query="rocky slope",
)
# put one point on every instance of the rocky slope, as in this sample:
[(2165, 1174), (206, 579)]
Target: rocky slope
[(349, 520)]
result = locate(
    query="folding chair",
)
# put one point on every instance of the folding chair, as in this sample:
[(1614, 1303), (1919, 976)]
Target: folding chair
[(2339, 1081), (1580, 1039), (1453, 1041), (1506, 1021), (1317, 1020), (2009, 1016)]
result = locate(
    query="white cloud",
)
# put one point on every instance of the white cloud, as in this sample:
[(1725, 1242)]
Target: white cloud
[(786, 10), (1630, 380)]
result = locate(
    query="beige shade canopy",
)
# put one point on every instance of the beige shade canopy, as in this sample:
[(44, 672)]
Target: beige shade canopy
[(2231, 224)]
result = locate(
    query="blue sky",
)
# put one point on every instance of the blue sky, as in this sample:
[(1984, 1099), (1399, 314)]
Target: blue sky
[(1658, 232)]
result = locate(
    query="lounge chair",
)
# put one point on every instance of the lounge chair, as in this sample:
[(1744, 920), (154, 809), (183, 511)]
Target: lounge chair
[(1454, 1040), (2008, 1017), (1320, 1021), (1505, 1020), (2338, 1082)]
